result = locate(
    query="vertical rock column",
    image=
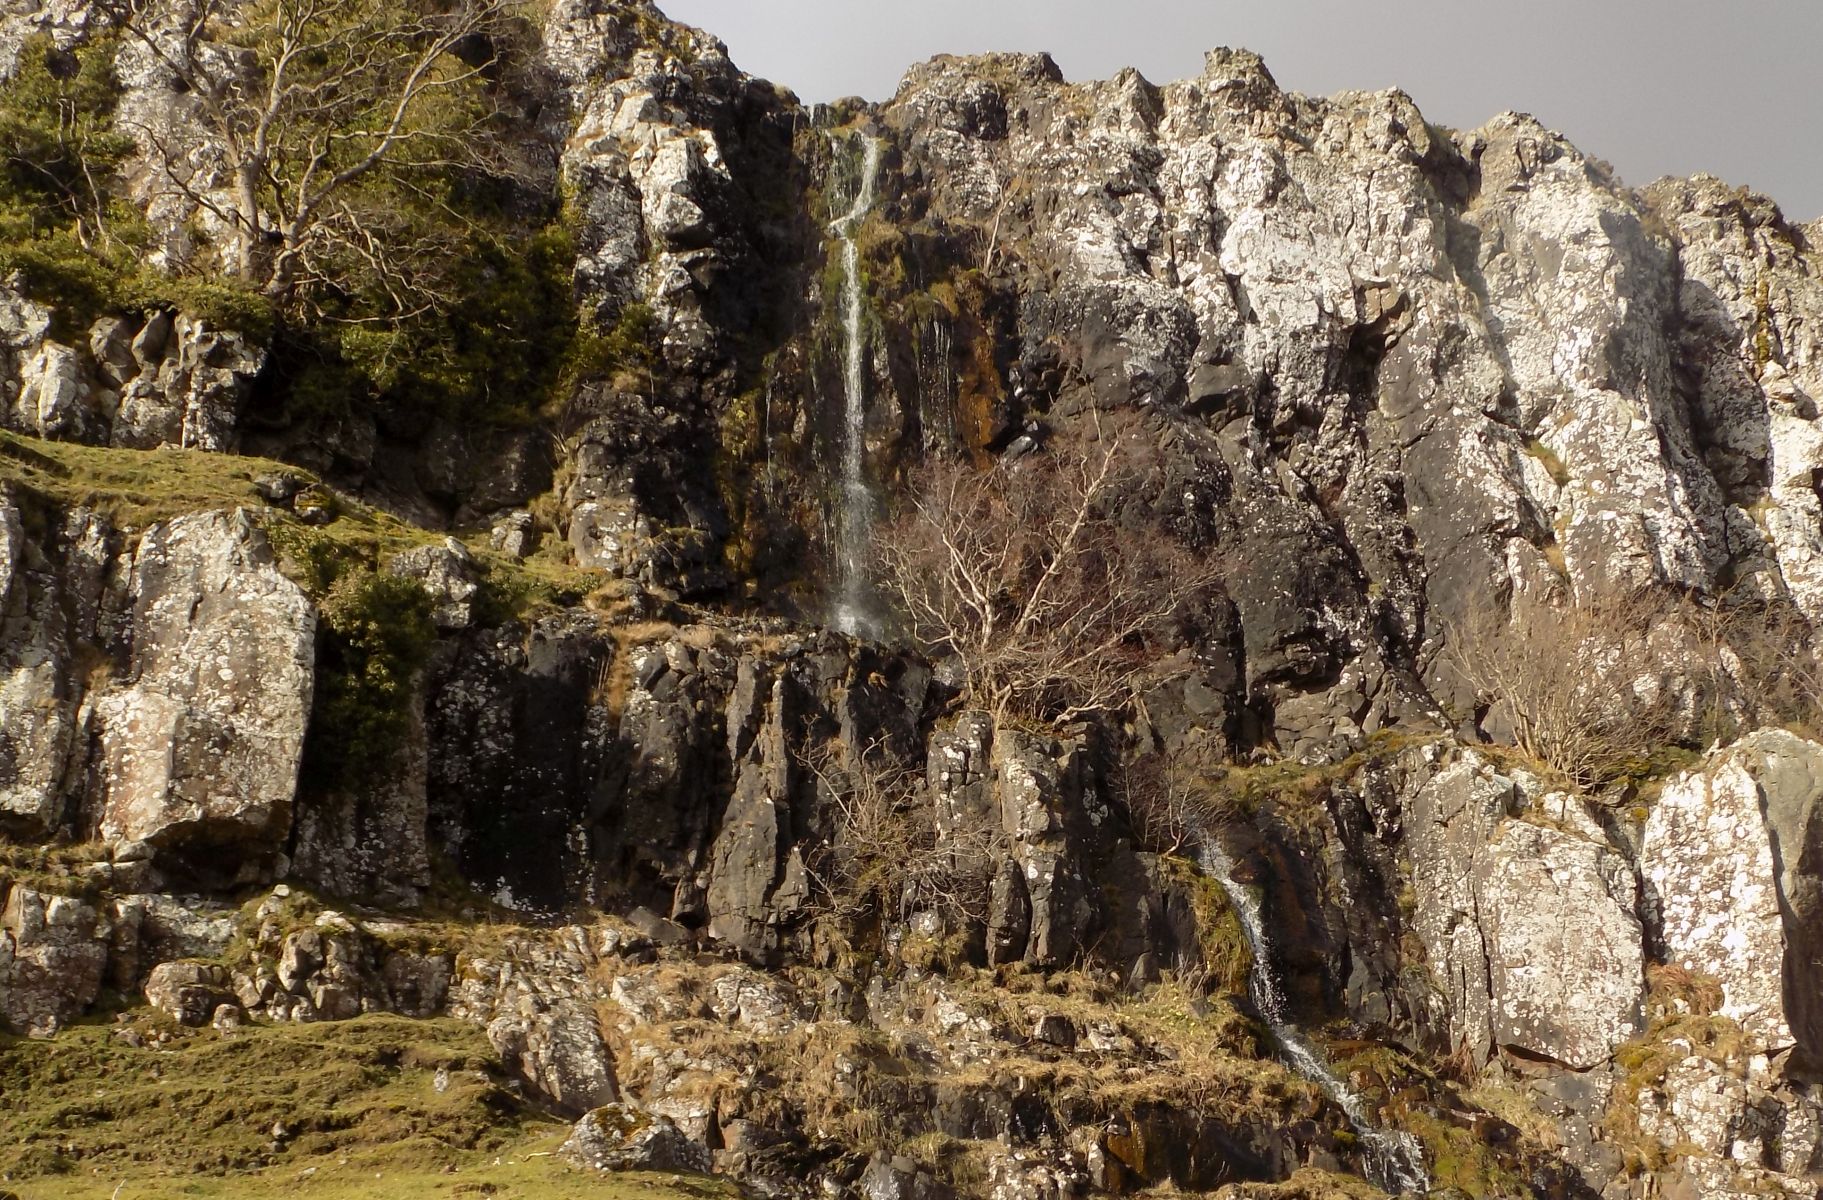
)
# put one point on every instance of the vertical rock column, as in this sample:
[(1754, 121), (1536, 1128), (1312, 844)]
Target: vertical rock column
[(199, 750)]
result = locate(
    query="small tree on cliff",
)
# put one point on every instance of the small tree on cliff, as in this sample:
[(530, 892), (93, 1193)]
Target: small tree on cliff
[(325, 122), (1052, 604)]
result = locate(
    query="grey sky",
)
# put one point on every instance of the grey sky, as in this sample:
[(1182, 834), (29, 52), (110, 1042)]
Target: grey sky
[(1656, 87)]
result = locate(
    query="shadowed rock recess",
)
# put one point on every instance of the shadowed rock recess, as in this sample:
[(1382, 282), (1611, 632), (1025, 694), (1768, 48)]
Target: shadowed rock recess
[(472, 656)]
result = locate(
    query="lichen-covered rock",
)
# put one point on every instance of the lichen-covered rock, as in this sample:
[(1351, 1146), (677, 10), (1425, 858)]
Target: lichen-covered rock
[(328, 967), (1386, 416), (1748, 295), (50, 601), (53, 959), (372, 840), (1451, 816), (621, 1137), (757, 879), (1026, 1174), (169, 380), (173, 927), (1042, 805), (1731, 859), (188, 391), (188, 992), (537, 1000), (199, 750), (56, 399), (1531, 931), (416, 985), (448, 574), (34, 699), (1566, 959), (1738, 1129)]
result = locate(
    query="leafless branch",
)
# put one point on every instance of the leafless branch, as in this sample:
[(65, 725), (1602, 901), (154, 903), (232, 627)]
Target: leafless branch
[(886, 856)]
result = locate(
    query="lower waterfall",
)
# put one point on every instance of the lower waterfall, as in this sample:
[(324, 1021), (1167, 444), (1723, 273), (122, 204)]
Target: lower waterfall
[(1393, 1158)]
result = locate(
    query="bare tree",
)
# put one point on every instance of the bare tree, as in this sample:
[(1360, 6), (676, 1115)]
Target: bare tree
[(1168, 801), (303, 101), (1027, 575)]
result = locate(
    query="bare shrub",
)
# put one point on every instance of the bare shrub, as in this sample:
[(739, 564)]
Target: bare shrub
[(1169, 803), (1596, 689), (1051, 602), (1762, 662), (1575, 685), (886, 857)]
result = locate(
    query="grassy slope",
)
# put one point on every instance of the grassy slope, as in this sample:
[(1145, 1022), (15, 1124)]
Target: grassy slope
[(134, 488), (86, 1114)]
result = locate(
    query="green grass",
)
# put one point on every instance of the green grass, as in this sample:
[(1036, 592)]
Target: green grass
[(1223, 941), (529, 1172), (133, 488), (136, 488), (87, 1114)]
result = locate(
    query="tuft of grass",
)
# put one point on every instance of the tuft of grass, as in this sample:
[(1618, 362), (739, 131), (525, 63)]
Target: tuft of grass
[(1548, 459), (53, 869)]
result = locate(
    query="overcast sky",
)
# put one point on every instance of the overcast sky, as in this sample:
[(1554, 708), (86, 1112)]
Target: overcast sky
[(1656, 87)]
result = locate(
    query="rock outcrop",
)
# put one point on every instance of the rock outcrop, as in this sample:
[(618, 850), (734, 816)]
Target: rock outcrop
[(166, 380), (1730, 854), (199, 749), (156, 693), (1531, 927), (53, 956), (1396, 378)]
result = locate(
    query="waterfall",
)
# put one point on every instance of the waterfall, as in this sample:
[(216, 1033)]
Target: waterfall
[(854, 516), (1393, 1159)]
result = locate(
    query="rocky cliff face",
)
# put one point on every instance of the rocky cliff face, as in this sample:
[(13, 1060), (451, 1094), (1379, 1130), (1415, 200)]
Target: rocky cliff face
[(286, 741)]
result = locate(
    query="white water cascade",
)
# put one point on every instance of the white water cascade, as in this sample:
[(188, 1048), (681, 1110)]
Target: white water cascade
[(854, 516), (1393, 1159)]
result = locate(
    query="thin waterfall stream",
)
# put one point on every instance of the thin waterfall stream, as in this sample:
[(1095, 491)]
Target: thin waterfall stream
[(854, 516), (1393, 1158)]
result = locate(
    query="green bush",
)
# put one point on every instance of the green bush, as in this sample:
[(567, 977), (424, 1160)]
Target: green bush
[(495, 351), (490, 337), (67, 238), (58, 146), (376, 634)]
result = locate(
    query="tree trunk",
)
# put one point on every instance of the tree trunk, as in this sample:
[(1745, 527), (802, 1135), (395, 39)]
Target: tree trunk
[(247, 206)]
